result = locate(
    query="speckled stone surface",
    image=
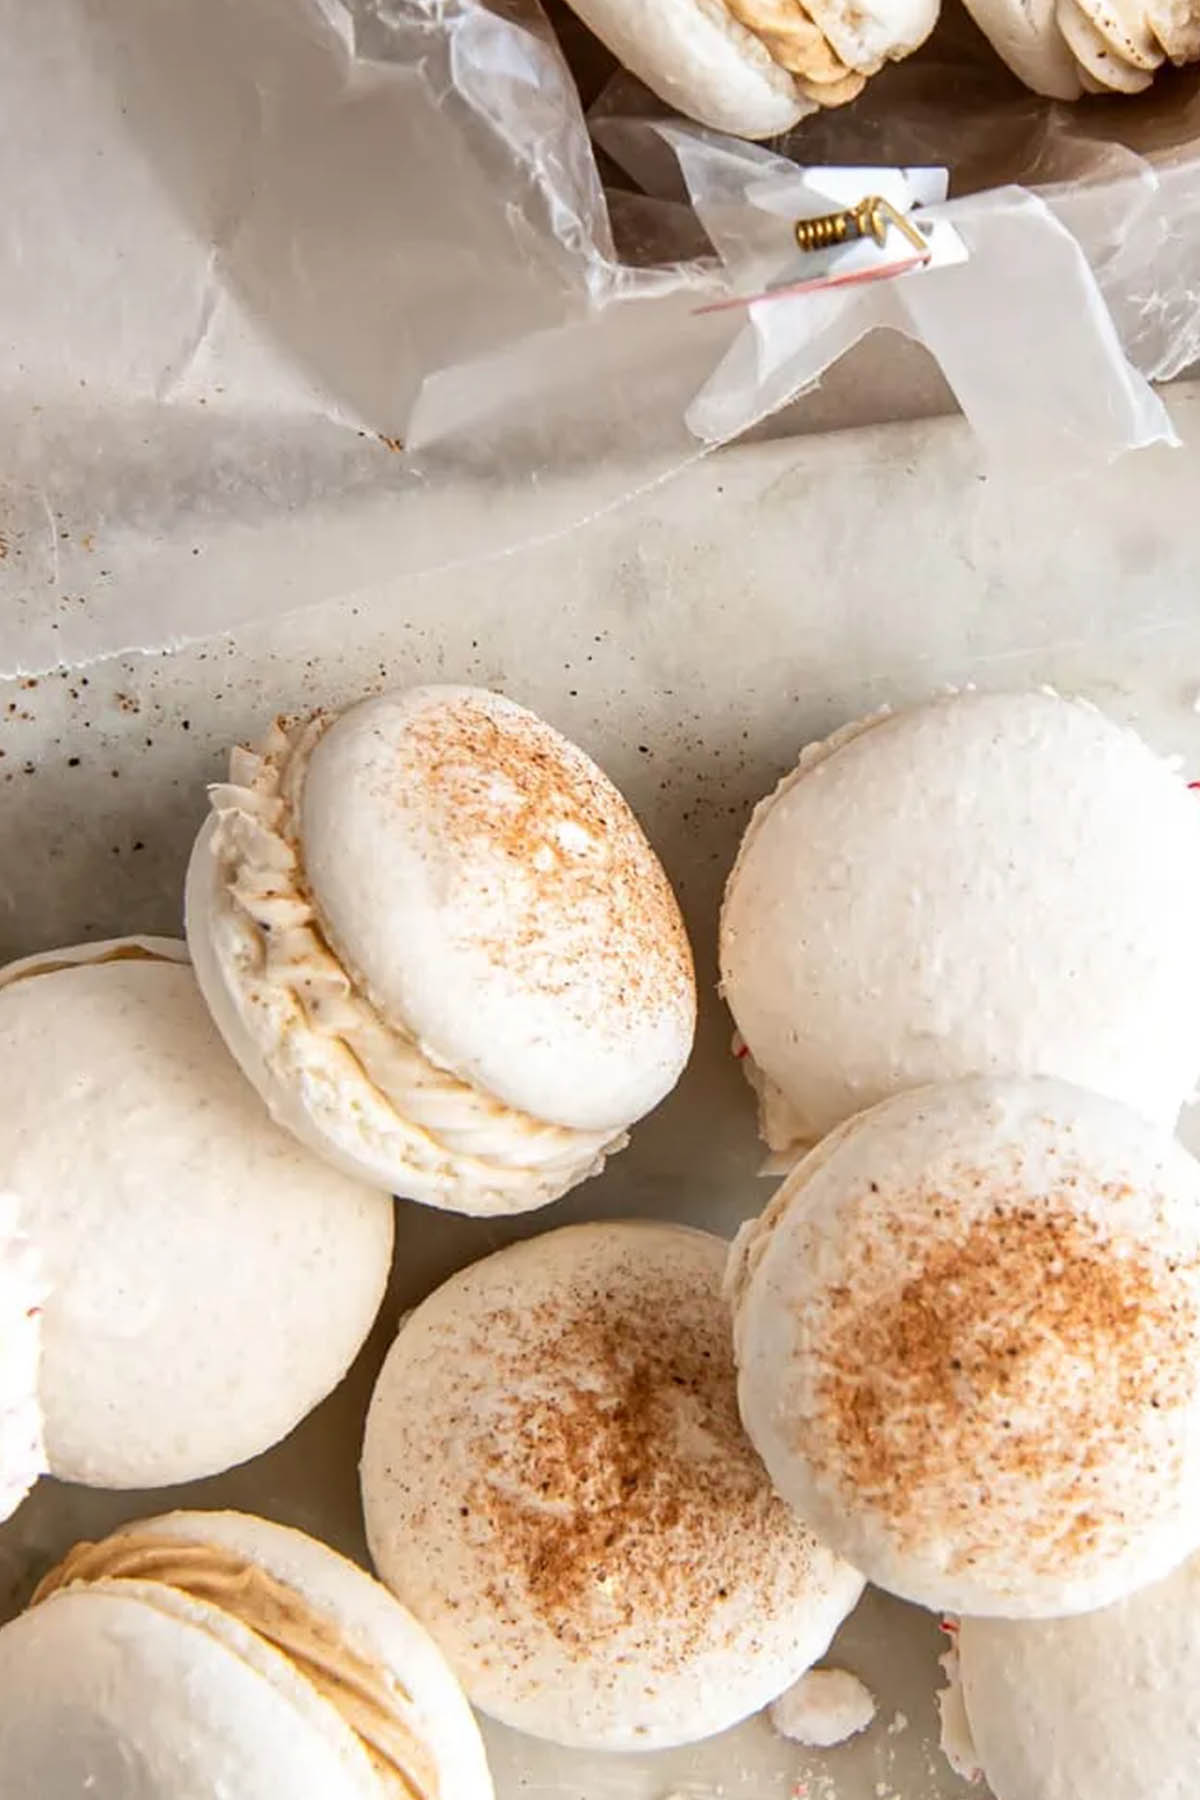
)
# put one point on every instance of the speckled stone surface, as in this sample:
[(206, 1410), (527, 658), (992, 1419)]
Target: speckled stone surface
[(691, 642)]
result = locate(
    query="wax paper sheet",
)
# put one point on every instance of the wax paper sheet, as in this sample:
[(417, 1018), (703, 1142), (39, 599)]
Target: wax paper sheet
[(299, 296)]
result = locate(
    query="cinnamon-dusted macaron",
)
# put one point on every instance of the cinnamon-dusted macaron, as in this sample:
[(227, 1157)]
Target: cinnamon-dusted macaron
[(757, 67), (435, 938), (213, 1653), (1102, 1707), (209, 1281), (22, 1291), (968, 1339), (556, 1483), (985, 884)]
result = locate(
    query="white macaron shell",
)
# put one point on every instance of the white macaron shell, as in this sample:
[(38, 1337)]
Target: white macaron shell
[(989, 883), (210, 1281), (373, 1622), (1102, 1707), (694, 55), (968, 1335), (555, 1481), (106, 1694), (1025, 34), (22, 1292), (490, 891)]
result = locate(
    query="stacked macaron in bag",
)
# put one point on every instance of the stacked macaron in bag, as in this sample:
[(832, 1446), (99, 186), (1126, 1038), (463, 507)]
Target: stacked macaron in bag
[(200, 1146), (621, 1483), (759, 68)]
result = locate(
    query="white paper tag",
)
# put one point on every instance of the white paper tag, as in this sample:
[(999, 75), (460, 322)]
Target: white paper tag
[(817, 192)]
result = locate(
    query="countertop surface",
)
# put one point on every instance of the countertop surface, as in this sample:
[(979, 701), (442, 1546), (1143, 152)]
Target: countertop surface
[(692, 641)]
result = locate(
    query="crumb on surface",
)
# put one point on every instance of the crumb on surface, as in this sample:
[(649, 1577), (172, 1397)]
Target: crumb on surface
[(823, 1708)]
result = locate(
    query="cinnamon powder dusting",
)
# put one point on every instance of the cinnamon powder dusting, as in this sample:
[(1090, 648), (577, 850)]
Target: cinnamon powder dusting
[(558, 854), (624, 1497), (1033, 1356)]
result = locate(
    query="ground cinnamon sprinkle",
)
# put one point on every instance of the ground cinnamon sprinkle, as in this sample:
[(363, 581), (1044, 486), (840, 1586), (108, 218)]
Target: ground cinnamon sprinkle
[(580, 886), (1030, 1355), (628, 1494)]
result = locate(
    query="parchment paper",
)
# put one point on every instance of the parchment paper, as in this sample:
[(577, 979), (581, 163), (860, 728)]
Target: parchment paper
[(691, 646), (299, 295)]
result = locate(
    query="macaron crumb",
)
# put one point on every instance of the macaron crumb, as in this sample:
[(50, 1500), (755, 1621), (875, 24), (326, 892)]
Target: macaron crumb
[(825, 1707), (958, 1746)]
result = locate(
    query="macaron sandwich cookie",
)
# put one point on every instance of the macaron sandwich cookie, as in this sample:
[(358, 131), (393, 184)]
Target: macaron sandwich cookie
[(438, 943), (755, 68), (206, 1654), (556, 1483), (985, 884), (1068, 48), (1102, 1707), (22, 1292), (208, 1280), (967, 1331)]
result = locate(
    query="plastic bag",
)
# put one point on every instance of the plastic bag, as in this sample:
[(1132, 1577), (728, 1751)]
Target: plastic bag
[(304, 296)]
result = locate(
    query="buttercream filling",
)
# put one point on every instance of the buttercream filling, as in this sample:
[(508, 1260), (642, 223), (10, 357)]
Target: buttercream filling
[(314, 1024), (366, 1696), (796, 43)]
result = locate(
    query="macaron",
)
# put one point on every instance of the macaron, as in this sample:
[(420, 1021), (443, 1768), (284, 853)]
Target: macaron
[(437, 941), (755, 68), (209, 1280), (984, 884), (967, 1331), (1176, 26), (22, 1291), (1025, 34), (214, 1653), (1110, 65), (1103, 1707), (556, 1483), (1065, 48)]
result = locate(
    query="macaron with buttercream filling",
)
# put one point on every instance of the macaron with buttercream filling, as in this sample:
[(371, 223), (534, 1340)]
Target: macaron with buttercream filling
[(215, 1653), (437, 941)]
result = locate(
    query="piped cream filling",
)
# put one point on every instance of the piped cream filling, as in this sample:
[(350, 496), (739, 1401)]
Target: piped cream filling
[(796, 43), (366, 1696), (365, 1082)]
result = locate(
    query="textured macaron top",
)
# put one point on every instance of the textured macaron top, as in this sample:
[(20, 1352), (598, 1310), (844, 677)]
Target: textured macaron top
[(187, 1242), (437, 937), (557, 1483), (986, 883), (968, 1337), (22, 1291)]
